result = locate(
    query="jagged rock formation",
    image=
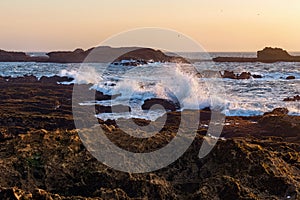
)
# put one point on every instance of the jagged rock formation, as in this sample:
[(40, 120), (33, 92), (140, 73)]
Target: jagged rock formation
[(42, 156)]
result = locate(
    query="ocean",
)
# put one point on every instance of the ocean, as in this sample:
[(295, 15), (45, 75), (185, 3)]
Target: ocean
[(170, 81)]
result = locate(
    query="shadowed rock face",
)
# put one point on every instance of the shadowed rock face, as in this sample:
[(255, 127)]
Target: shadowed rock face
[(150, 54), (166, 104), (42, 156), (101, 54), (6, 56), (267, 55)]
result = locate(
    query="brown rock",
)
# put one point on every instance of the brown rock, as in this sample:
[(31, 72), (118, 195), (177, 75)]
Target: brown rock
[(290, 77), (228, 74), (278, 111), (244, 75), (231, 75)]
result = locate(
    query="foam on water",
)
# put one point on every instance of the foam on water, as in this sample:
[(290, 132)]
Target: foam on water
[(170, 81), (86, 76), (177, 86)]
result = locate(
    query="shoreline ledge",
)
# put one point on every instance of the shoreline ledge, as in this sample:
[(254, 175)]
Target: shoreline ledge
[(267, 55), (43, 157)]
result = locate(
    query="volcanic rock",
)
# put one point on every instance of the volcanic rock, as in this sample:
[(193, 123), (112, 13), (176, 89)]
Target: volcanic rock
[(167, 104), (257, 157)]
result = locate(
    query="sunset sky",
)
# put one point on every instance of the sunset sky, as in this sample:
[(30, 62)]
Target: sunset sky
[(218, 25)]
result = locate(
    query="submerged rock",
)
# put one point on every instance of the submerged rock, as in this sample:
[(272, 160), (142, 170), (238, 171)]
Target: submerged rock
[(295, 98), (232, 75), (256, 76)]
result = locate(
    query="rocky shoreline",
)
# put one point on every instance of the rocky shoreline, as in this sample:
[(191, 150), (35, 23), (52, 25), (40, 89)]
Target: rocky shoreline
[(42, 156), (103, 54)]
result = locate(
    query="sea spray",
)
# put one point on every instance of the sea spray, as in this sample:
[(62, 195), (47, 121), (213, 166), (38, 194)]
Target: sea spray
[(83, 75)]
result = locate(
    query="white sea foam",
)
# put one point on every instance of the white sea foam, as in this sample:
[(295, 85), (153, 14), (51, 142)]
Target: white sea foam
[(166, 80), (84, 75)]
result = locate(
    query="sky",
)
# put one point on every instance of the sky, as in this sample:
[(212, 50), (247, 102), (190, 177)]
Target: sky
[(217, 25)]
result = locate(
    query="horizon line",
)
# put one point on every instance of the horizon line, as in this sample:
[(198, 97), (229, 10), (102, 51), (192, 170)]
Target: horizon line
[(85, 49)]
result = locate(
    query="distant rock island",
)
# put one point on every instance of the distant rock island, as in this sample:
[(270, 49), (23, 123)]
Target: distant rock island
[(267, 55), (136, 55)]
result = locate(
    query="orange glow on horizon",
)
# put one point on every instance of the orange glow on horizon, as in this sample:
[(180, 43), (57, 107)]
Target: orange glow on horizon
[(217, 25)]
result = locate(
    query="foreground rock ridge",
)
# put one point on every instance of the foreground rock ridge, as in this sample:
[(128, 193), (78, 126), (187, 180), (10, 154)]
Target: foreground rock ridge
[(42, 156), (267, 55), (100, 54)]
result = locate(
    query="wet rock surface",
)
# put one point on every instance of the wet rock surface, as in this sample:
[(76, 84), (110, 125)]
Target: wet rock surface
[(42, 156), (164, 104), (294, 98), (290, 78), (243, 75)]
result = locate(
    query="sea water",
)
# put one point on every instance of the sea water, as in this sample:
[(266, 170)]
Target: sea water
[(171, 81)]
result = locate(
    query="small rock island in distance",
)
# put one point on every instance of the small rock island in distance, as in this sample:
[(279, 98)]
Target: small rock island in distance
[(267, 55)]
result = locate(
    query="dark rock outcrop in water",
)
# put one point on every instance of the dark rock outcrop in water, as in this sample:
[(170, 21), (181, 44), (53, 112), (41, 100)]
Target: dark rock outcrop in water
[(42, 156), (98, 54), (166, 104), (243, 75), (290, 77), (295, 98), (267, 55), (234, 59)]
